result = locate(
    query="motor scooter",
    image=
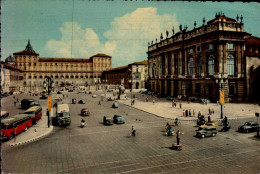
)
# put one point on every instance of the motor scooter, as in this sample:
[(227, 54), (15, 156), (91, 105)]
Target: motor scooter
[(82, 123)]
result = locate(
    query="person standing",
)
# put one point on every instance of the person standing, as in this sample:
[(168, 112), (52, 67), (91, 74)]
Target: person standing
[(172, 103), (14, 103), (153, 101), (146, 99), (212, 110), (209, 119), (178, 137), (180, 105), (186, 113), (99, 103), (209, 111), (193, 113), (189, 112)]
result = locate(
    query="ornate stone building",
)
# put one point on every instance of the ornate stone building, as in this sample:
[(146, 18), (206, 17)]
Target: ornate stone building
[(70, 71), (192, 62), (136, 72)]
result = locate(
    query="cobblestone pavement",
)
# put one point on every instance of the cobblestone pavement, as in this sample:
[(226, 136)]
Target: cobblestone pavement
[(110, 149)]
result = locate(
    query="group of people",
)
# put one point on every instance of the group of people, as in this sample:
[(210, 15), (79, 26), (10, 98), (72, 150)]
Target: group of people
[(188, 113), (211, 111)]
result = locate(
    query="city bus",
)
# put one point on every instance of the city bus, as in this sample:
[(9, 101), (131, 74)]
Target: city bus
[(4, 115), (14, 125), (35, 112), (62, 115)]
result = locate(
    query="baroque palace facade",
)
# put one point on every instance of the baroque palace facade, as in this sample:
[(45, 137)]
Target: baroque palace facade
[(63, 71), (196, 62)]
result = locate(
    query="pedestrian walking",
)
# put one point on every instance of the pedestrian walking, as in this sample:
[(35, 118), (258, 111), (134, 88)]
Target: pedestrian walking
[(193, 114), (209, 111), (99, 103), (175, 104), (14, 103), (133, 102), (146, 99), (186, 113), (199, 114), (209, 119), (190, 113), (212, 110), (153, 101), (180, 105), (178, 137), (183, 113)]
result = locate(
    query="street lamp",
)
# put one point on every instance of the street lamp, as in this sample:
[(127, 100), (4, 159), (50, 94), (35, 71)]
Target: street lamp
[(131, 81), (49, 84), (220, 80)]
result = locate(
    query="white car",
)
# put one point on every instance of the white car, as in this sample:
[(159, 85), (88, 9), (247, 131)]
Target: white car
[(94, 96)]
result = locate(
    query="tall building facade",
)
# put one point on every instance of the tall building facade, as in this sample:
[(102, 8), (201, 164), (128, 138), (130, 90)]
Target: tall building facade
[(66, 71), (196, 62), (133, 75)]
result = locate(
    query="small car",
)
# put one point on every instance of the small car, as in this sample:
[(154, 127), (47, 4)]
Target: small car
[(70, 90), (90, 92), (110, 99), (43, 97), (84, 112), (205, 101), (81, 102), (94, 96), (169, 98), (115, 105), (249, 126), (110, 90), (59, 92), (118, 119), (73, 101), (142, 91), (207, 131), (212, 123), (107, 120)]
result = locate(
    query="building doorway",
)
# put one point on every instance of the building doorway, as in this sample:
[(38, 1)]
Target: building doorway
[(137, 85)]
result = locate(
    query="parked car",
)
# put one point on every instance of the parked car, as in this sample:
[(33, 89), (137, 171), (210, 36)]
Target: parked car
[(74, 101), (81, 102), (115, 105), (110, 99), (207, 131), (107, 120), (212, 123), (110, 90), (59, 92), (94, 96), (169, 98), (205, 101), (118, 119), (81, 91), (142, 91), (85, 112), (249, 126), (70, 90), (44, 96)]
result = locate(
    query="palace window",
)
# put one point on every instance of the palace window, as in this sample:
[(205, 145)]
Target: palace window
[(77, 76), (199, 66), (211, 47), (56, 76), (190, 67), (230, 64), (81, 76), (67, 76), (72, 76), (40, 76), (191, 51), (35, 77), (211, 65), (230, 46)]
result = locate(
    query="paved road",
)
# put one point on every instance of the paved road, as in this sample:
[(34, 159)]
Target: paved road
[(110, 149)]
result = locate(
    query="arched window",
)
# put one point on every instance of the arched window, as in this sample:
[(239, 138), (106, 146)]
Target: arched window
[(230, 64), (154, 70), (190, 67), (160, 69), (199, 65), (211, 65)]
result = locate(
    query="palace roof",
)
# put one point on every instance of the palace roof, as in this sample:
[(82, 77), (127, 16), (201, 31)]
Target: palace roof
[(63, 60)]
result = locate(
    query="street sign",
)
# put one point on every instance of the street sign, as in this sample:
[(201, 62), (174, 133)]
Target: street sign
[(257, 114), (49, 103), (222, 98)]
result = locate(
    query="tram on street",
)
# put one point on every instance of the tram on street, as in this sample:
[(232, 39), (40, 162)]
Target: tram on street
[(14, 125), (35, 112)]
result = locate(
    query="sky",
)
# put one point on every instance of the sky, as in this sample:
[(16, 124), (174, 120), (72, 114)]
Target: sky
[(121, 29)]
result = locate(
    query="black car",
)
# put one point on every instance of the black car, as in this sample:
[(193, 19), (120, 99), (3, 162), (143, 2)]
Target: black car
[(249, 126), (59, 92), (70, 90), (81, 102), (43, 97)]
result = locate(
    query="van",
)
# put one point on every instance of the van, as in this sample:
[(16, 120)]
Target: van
[(208, 131)]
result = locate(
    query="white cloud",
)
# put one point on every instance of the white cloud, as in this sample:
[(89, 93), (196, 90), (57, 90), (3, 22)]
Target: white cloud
[(127, 37)]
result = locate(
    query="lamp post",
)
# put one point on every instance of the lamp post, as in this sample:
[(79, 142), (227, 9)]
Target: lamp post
[(48, 83), (131, 81), (221, 104)]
